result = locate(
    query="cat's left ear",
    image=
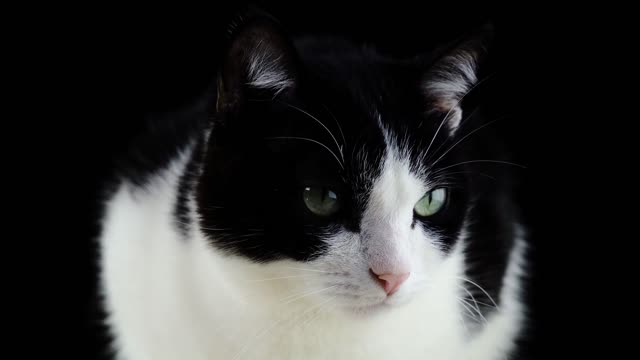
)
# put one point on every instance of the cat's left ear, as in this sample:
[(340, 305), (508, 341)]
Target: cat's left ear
[(454, 74), (259, 59)]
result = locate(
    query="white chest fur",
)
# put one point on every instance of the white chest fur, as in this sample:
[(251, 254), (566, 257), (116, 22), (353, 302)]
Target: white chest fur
[(175, 298)]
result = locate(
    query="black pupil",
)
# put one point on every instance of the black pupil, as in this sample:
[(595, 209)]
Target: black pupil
[(324, 195)]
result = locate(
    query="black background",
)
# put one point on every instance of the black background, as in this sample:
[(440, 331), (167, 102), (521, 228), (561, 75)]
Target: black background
[(157, 62)]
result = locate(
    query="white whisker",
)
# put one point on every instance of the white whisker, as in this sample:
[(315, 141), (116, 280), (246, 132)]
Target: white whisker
[(318, 311), (344, 140), (215, 229), (476, 303), (281, 277), (307, 139), (323, 125), (313, 270), (462, 139), (450, 110), (272, 326), (467, 308), (481, 289), (479, 161), (301, 296), (423, 156)]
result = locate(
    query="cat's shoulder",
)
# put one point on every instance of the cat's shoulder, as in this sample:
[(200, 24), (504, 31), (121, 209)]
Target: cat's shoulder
[(164, 135)]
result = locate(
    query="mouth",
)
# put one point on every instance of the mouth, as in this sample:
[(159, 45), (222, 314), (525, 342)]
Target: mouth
[(368, 309), (377, 306)]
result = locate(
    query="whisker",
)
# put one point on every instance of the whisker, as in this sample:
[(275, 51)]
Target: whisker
[(467, 308), (301, 296), (344, 140), (313, 270), (452, 108), (480, 161), (319, 122), (423, 156), (281, 277), (272, 326), (462, 139), (481, 289), (307, 139), (463, 323), (475, 310), (318, 311), (476, 303), (484, 303), (464, 172), (228, 243), (215, 229)]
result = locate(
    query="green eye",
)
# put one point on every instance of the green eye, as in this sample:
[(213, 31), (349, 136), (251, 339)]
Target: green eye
[(431, 203), (321, 200)]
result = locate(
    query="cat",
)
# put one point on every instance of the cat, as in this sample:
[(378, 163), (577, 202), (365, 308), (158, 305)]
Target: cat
[(321, 201)]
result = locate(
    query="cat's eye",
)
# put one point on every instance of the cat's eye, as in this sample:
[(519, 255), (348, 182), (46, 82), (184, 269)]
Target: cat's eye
[(431, 203), (321, 201)]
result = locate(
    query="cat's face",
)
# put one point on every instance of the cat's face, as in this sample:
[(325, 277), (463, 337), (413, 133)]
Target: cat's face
[(340, 163)]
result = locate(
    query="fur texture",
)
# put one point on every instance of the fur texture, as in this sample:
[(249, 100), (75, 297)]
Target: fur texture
[(209, 252)]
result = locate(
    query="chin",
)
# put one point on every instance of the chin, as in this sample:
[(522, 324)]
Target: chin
[(383, 306)]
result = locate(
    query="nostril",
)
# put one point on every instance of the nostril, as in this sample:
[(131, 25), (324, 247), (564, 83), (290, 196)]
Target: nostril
[(377, 278), (390, 282), (385, 285)]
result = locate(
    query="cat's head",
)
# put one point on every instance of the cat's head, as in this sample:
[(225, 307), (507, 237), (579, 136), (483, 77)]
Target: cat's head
[(341, 160)]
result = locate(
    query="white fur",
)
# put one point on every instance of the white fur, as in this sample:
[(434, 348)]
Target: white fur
[(449, 82), (175, 298), (266, 70), (454, 79)]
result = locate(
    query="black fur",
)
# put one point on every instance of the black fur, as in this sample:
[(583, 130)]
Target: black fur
[(250, 192)]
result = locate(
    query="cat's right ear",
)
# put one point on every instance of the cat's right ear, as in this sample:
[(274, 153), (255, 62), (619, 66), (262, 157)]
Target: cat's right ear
[(260, 60), (454, 74)]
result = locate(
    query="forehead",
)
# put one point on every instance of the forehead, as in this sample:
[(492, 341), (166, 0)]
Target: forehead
[(372, 105), (348, 115), (364, 86)]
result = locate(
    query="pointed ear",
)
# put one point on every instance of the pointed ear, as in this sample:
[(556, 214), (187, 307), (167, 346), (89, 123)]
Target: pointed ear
[(259, 60), (454, 74)]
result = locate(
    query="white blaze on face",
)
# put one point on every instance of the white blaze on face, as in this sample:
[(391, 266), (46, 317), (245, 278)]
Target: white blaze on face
[(386, 223), (386, 243)]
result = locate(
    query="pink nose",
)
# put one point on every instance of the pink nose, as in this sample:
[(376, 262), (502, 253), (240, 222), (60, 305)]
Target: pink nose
[(391, 282)]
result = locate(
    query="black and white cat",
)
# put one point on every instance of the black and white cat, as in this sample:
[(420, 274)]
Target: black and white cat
[(325, 202)]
